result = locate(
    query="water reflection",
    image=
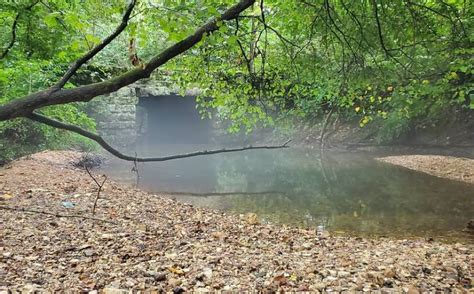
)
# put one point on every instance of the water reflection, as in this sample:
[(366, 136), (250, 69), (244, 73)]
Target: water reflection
[(343, 192)]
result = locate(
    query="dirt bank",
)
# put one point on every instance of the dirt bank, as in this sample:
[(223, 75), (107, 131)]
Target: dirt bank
[(454, 168), (143, 241)]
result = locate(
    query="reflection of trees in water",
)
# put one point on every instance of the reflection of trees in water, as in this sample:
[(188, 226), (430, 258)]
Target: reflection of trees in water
[(348, 192)]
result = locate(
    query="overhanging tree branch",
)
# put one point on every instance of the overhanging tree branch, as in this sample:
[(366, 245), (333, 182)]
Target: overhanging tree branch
[(60, 125), (23, 106), (89, 55)]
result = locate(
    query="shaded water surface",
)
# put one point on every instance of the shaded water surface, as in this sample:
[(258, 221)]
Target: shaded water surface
[(350, 193)]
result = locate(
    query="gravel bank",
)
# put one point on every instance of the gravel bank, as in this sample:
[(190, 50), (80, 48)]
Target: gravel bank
[(454, 168), (142, 241)]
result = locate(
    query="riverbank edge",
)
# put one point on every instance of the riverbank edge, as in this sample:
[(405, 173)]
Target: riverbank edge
[(139, 241), (448, 167)]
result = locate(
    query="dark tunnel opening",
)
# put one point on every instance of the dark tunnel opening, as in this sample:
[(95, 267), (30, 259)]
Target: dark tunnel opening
[(171, 124), (171, 119)]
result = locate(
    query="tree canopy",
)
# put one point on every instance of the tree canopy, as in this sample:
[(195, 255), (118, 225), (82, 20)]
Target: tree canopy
[(257, 62)]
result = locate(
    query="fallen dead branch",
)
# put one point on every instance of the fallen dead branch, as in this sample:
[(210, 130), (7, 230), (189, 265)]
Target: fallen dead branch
[(99, 187), (95, 137)]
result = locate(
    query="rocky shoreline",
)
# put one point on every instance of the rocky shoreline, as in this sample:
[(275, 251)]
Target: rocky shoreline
[(50, 241)]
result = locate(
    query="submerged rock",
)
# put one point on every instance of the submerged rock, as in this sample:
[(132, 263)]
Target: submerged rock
[(470, 227)]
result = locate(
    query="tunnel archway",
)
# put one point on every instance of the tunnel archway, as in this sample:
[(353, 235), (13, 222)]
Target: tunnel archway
[(171, 124), (171, 120)]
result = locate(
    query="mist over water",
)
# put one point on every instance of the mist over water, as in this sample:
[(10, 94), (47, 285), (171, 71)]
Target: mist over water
[(343, 192), (347, 192)]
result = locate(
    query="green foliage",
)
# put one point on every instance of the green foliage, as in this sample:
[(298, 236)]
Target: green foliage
[(317, 55), (42, 51), (21, 137), (397, 64)]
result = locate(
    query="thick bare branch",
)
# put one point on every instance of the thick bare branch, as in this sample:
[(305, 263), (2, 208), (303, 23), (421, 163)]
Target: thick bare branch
[(89, 55), (25, 105), (60, 125)]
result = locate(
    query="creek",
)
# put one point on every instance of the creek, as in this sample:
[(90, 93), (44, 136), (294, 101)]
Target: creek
[(346, 193)]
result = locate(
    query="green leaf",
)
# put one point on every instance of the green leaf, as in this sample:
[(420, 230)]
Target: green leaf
[(92, 39), (73, 20), (51, 19)]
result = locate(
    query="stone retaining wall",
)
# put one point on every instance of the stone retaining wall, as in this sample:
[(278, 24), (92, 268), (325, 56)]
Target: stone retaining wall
[(115, 115), (119, 119)]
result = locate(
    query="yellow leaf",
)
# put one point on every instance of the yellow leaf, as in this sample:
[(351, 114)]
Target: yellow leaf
[(293, 277), (357, 109), (176, 270), (364, 121), (6, 196), (453, 76)]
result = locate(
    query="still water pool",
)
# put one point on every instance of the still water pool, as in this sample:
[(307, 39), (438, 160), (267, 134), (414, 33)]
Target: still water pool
[(343, 193)]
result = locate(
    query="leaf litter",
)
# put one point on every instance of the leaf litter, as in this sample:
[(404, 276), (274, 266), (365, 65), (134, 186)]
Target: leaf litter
[(150, 242)]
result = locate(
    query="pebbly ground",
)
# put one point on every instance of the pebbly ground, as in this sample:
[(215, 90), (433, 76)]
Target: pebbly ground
[(139, 241), (454, 168)]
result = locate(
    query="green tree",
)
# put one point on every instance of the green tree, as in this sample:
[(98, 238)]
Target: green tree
[(396, 63), (64, 93)]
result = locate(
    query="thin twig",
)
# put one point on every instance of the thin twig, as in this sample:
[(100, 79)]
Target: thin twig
[(381, 39), (14, 27), (55, 214), (135, 169), (99, 185), (13, 39), (247, 60)]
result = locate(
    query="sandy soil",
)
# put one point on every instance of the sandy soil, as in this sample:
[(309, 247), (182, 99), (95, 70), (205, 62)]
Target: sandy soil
[(454, 168), (140, 241)]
